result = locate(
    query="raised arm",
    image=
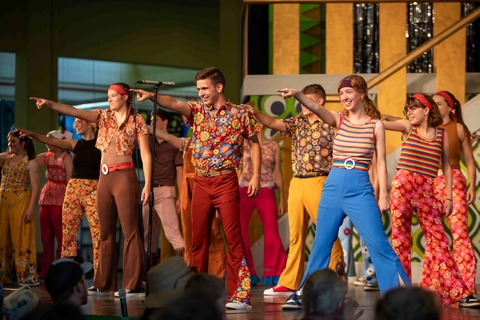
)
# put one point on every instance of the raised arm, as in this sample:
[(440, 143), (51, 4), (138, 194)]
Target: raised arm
[(469, 161), (329, 117), (279, 180), (396, 124), (266, 120), (166, 102), (381, 166), (65, 144), (88, 115)]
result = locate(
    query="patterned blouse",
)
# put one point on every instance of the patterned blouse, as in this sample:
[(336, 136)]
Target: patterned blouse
[(218, 135), (267, 178), (53, 191), (311, 144), (16, 176), (125, 139)]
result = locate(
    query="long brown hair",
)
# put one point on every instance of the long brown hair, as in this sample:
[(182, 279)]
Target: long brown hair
[(434, 116), (360, 85)]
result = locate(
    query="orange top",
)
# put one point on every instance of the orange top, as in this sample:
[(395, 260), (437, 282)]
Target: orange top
[(454, 143), (125, 139)]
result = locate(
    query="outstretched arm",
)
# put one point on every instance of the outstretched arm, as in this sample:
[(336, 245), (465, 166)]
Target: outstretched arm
[(88, 115), (169, 138), (65, 144), (396, 124), (329, 117), (166, 102), (266, 120)]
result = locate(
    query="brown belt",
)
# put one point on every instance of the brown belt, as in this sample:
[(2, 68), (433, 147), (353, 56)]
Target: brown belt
[(212, 173), (310, 175)]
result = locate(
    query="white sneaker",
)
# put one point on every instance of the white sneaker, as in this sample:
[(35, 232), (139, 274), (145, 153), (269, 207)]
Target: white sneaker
[(92, 291), (129, 293), (237, 305), (359, 282)]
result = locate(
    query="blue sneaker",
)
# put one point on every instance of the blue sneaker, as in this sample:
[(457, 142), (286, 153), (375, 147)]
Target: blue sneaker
[(294, 302)]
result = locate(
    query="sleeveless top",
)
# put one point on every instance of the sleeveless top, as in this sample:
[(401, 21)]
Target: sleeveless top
[(454, 143), (267, 179), (354, 141), (53, 191), (86, 160), (421, 155), (16, 176)]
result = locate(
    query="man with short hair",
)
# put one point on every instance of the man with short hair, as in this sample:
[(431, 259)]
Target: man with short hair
[(312, 142), (167, 169), (219, 129), (65, 281)]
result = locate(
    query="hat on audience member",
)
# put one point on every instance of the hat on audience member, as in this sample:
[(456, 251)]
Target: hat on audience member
[(60, 134), (64, 274), (166, 281), (20, 303)]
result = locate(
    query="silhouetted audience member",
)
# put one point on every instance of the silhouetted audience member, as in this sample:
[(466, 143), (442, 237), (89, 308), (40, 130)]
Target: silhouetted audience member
[(165, 282), (408, 303), (60, 311), (211, 286), (324, 297), (192, 306)]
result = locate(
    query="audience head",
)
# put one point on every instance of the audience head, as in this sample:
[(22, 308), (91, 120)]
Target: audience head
[(408, 303), (324, 294), (65, 281), (192, 306), (210, 286), (166, 282), (60, 311)]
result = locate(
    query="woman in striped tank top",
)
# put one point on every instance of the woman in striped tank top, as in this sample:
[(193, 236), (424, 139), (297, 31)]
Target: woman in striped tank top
[(413, 191), (347, 190)]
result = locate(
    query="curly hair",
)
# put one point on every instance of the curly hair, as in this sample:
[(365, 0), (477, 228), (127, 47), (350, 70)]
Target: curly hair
[(360, 85)]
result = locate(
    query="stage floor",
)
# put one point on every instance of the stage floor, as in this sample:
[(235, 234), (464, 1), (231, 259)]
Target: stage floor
[(263, 307)]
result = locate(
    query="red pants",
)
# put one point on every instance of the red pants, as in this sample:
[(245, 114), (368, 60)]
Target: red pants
[(50, 218), (217, 193), (274, 253)]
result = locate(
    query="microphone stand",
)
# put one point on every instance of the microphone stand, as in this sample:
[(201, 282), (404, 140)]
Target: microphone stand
[(151, 196)]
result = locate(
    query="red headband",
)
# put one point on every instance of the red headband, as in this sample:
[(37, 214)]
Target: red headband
[(117, 88), (344, 84), (447, 98), (420, 97)]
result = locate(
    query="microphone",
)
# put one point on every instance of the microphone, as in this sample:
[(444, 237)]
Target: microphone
[(157, 83), (123, 302)]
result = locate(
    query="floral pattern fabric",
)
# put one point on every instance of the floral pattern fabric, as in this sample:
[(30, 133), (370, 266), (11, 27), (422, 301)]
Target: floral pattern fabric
[(463, 252), (54, 190), (17, 237), (218, 135), (125, 138), (267, 179), (242, 292), (81, 196), (411, 193), (311, 144)]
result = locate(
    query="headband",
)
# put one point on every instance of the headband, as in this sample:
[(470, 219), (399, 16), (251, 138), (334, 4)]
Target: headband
[(420, 97), (344, 84), (117, 88), (447, 98)]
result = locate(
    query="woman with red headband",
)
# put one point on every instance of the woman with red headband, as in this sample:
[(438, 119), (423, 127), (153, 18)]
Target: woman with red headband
[(118, 130), (348, 190), (459, 142), (413, 191)]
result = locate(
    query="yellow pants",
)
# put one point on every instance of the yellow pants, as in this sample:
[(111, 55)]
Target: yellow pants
[(303, 199), (17, 237)]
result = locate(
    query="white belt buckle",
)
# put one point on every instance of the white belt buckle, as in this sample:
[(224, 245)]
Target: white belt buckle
[(104, 169), (348, 165)]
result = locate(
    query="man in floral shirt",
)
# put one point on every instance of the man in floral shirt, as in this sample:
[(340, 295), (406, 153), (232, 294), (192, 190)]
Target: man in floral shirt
[(219, 129), (312, 142)]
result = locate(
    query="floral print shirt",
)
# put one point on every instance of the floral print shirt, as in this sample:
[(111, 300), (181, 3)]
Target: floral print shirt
[(311, 144), (124, 139), (218, 135), (267, 179)]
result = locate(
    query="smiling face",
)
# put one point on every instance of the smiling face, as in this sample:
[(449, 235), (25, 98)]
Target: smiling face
[(350, 98), (15, 145), (443, 106), (208, 92), (415, 112), (116, 101)]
